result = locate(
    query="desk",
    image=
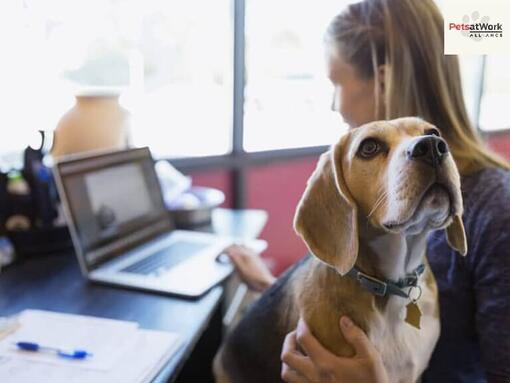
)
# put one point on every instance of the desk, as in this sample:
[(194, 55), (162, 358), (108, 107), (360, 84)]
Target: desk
[(55, 283)]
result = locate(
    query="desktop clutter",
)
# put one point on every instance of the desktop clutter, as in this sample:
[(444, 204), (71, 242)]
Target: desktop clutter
[(189, 206), (30, 223)]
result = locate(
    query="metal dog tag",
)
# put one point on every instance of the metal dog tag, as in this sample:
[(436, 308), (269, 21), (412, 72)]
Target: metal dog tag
[(413, 315)]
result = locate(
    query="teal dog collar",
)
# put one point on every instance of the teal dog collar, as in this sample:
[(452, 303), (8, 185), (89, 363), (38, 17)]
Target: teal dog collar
[(382, 288)]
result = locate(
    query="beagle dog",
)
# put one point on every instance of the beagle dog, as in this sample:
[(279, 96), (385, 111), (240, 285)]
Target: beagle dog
[(365, 216)]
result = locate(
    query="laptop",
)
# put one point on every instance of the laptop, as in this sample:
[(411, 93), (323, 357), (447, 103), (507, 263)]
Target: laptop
[(122, 232)]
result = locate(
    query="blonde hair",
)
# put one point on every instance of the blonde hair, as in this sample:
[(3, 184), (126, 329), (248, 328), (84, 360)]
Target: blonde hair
[(407, 36)]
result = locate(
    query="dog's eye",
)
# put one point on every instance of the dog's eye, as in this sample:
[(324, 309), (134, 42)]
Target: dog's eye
[(369, 148), (432, 132)]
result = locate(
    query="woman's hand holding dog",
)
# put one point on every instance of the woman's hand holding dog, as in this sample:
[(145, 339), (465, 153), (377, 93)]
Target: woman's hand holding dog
[(317, 364)]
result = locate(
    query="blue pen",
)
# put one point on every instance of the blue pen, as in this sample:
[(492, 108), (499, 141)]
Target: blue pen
[(34, 347)]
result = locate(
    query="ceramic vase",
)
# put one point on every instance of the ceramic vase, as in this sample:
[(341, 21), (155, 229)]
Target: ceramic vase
[(95, 122)]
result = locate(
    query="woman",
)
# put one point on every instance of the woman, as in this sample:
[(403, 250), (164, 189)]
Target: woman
[(386, 60)]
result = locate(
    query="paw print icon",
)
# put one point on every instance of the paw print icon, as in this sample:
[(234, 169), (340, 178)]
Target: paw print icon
[(473, 19)]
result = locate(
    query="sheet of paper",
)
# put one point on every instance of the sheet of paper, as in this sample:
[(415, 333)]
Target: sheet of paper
[(104, 338), (159, 347), (138, 364)]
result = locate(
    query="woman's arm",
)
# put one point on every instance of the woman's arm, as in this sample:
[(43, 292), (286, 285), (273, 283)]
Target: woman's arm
[(316, 364)]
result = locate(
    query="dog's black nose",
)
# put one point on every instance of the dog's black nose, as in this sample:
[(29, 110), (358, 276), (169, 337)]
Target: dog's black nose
[(429, 149)]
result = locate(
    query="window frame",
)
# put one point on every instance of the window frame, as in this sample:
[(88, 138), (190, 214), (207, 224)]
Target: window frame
[(238, 161)]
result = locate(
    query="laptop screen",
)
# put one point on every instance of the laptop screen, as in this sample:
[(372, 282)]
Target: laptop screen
[(114, 201)]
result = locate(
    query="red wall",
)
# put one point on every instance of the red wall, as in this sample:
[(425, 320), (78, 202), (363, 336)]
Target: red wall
[(218, 179), (277, 188), (500, 142)]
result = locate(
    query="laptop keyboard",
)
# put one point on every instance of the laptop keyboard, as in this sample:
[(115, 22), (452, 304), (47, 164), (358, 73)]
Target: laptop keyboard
[(166, 258)]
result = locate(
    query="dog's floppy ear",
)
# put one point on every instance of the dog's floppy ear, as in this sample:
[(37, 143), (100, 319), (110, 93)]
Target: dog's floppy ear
[(326, 216), (456, 235)]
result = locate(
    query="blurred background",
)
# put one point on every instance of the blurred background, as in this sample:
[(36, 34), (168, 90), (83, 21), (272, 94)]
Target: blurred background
[(231, 92)]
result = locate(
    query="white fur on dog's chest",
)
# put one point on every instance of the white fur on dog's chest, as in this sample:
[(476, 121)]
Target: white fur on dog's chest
[(404, 349)]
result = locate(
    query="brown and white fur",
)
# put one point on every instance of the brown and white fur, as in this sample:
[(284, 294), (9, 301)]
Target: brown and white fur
[(371, 202)]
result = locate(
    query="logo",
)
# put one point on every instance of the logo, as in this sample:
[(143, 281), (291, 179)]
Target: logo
[(477, 28)]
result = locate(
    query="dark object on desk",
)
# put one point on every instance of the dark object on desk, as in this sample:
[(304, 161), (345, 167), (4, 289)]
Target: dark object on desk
[(28, 207), (40, 241), (195, 206)]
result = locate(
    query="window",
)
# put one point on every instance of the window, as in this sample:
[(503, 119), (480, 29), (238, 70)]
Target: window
[(171, 58), (288, 95), (496, 96), (471, 68)]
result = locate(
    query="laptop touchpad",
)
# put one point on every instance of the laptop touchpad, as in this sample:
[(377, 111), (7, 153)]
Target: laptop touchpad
[(166, 258)]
